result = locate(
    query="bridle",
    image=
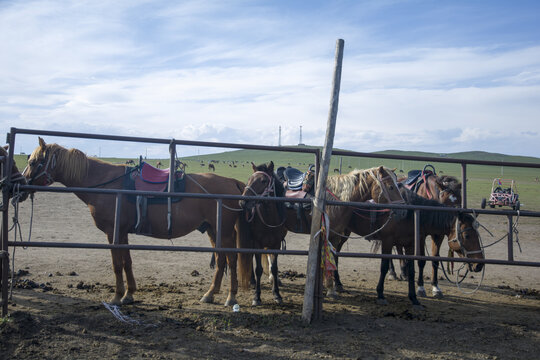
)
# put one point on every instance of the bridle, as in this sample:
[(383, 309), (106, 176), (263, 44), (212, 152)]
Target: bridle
[(267, 192), (384, 190), (270, 188), (42, 169), (459, 239)]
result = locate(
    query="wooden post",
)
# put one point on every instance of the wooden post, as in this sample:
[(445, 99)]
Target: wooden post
[(313, 297)]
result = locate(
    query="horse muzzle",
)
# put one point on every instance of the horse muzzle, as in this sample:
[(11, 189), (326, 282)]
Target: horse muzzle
[(476, 267)]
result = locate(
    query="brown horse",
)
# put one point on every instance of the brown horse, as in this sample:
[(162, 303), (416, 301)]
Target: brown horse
[(16, 177), (460, 229), (51, 162), (267, 228)]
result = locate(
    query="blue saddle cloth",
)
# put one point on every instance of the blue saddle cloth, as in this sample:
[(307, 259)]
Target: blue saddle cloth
[(294, 177)]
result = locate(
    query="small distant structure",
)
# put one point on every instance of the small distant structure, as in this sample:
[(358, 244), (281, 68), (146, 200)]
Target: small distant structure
[(300, 143)]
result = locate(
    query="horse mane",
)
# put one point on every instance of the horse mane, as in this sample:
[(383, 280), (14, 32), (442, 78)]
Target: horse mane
[(439, 219), (344, 185), (73, 163)]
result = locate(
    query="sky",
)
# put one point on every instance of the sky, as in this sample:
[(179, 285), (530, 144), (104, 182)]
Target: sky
[(435, 76)]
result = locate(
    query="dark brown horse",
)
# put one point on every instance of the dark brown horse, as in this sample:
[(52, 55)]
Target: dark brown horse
[(53, 163), (460, 229), (446, 190), (16, 177), (267, 230)]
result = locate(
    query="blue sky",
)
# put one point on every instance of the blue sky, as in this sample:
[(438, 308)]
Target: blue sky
[(417, 75)]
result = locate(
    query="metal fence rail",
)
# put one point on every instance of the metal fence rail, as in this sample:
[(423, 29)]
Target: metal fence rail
[(4, 256)]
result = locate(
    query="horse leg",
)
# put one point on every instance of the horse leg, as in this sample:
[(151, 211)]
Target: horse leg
[(410, 273), (232, 260), (272, 277), (392, 271), (385, 264), (421, 291), (216, 282), (435, 250), (117, 269), (275, 285), (130, 279), (338, 285), (258, 273)]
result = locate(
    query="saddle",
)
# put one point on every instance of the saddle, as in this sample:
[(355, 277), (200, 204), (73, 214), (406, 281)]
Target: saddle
[(145, 177), (415, 178), (293, 180)]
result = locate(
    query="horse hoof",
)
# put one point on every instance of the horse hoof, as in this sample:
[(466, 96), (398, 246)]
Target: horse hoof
[(382, 301), (278, 301), (438, 294), (126, 300), (332, 294), (207, 299), (392, 277), (421, 293), (339, 289), (230, 302), (256, 302), (419, 307)]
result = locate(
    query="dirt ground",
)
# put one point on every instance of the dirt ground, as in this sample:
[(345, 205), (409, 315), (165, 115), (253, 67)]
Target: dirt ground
[(57, 309)]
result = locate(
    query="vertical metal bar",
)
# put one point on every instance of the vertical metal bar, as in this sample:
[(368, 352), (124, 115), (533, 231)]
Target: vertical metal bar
[(5, 253), (417, 247), (117, 217), (172, 168), (464, 185), (219, 213), (510, 238)]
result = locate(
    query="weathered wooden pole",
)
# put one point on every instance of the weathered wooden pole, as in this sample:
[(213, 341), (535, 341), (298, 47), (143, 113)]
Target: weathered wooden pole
[(313, 292)]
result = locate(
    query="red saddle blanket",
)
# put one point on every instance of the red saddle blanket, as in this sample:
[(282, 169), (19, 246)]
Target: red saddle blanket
[(149, 178)]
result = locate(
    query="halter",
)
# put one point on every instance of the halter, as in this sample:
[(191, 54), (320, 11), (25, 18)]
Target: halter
[(459, 239), (270, 188), (45, 164), (384, 191)]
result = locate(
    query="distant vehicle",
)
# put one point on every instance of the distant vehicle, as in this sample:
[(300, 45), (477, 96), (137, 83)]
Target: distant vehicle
[(503, 193)]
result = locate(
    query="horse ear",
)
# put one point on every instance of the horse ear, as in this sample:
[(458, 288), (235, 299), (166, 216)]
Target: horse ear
[(6, 147), (394, 169), (271, 166), (254, 167), (42, 143)]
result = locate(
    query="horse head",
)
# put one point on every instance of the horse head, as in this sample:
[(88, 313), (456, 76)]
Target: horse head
[(260, 183), (51, 162), (449, 190), (465, 240), (384, 187), (16, 177)]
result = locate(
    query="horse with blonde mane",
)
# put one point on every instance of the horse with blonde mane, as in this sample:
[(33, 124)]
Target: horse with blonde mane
[(51, 163)]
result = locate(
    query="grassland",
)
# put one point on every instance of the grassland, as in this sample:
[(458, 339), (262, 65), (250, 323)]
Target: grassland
[(237, 164)]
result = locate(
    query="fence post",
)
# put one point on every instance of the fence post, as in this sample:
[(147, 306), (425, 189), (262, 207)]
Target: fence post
[(6, 173), (172, 168), (312, 308), (117, 217), (464, 185), (510, 238)]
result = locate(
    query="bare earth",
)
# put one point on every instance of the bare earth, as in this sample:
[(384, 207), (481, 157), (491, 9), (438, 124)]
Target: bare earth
[(57, 309)]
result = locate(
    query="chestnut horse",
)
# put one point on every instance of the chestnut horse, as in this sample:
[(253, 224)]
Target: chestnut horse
[(267, 229), (378, 184), (460, 229), (51, 163)]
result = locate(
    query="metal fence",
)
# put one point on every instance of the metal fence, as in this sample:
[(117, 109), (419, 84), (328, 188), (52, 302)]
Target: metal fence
[(4, 255)]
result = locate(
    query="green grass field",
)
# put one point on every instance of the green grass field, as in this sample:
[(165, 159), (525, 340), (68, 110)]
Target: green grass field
[(237, 164)]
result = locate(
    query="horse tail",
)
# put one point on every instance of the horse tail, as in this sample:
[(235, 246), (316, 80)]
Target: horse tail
[(245, 260)]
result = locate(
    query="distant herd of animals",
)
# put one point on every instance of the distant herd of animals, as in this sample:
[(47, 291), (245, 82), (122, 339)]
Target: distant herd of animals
[(259, 224)]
